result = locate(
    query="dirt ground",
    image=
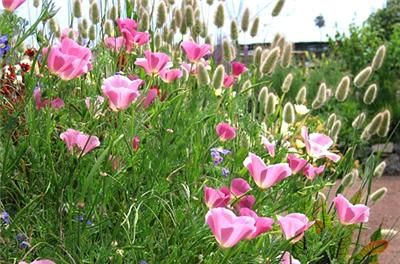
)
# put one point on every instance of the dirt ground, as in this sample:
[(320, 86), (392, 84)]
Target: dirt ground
[(386, 211)]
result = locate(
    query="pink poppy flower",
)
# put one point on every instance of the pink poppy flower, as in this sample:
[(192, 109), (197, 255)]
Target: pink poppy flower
[(139, 39), (11, 5), (154, 62), (42, 261), (121, 91), (262, 224), (127, 27), (192, 68), (228, 228), (239, 186), (216, 198), (225, 131), (238, 68), (76, 139), (150, 97), (294, 225), (263, 175), (296, 164), (317, 145), (246, 201), (68, 60), (195, 52), (115, 44), (288, 259), (66, 32), (39, 103), (269, 146), (350, 214), (170, 75), (135, 143), (229, 80), (311, 172)]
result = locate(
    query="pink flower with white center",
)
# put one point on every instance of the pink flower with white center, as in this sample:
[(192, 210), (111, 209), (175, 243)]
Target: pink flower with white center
[(225, 131), (294, 225), (262, 224), (11, 5), (195, 52), (216, 198), (296, 164), (229, 80), (239, 187), (228, 228), (154, 62), (170, 76), (350, 214), (121, 91), (247, 201), (238, 68), (127, 27), (269, 146), (311, 172), (115, 44), (76, 139), (317, 145)]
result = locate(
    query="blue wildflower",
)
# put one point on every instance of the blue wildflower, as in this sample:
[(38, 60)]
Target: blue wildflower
[(24, 245), (4, 46), (5, 217), (225, 172), (216, 155)]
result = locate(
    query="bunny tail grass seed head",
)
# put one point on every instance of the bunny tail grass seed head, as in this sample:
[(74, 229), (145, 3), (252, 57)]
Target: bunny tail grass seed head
[(301, 97), (287, 83), (331, 120), (254, 27), (77, 8), (379, 170), (278, 8), (362, 77), (288, 113), (378, 194), (245, 20), (262, 96), (375, 124), (335, 130), (144, 21), (342, 90), (53, 26), (257, 56), (210, 2), (178, 17), (379, 58), (113, 13), (219, 17), (218, 77), (202, 77), (109, 27), (358, 121), (161, 14), (144, 3), (269, 63), (270, 104), (226, 50), (234, 30), (348, 180), (389, 233), (287, 55), (36, 3), (383, 130), (370, 94), (321, 97), (94, 13), (365, 135), (189, 16), (92, 32)]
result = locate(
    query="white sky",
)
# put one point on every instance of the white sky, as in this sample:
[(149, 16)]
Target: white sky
[(296, 20)]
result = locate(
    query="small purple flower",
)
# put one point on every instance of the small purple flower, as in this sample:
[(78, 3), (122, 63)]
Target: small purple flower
[(79, 218), (89, 223), (4, 46), (5, 217), (24, 245), (225, 172), (21, 237), (216, 155)]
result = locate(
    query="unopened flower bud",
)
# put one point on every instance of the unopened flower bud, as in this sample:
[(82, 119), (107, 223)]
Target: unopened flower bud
[(370, 94), (287, 83), (379, 58), (362, 77), (342, 90), (288, 113), (277, 8)]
